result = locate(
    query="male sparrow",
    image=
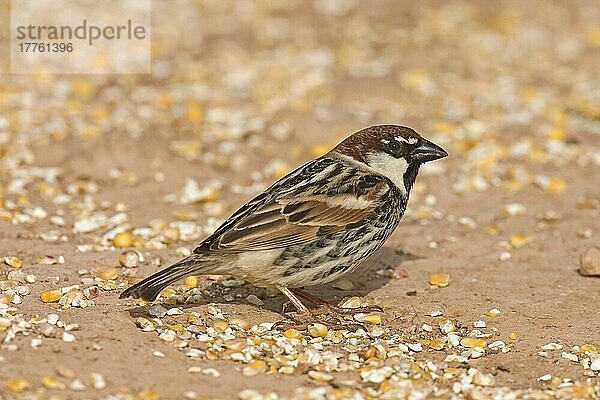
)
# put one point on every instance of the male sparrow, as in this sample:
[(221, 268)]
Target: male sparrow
[(316, 224)]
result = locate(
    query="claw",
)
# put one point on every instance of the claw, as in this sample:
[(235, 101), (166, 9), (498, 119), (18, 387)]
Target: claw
[(291, 322), (347, 311)]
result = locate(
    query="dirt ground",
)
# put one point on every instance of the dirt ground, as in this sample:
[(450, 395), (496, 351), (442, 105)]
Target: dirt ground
[(242, 92)]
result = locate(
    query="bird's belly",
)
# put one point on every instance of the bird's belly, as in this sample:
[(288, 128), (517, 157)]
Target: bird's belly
[(318, 262), (328, 260)]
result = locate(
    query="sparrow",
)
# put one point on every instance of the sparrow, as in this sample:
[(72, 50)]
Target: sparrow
[(316, 224)]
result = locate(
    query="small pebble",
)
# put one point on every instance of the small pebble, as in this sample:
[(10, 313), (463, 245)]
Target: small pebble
[(129, 259), (344, 285), (253, 299), (590, 262)]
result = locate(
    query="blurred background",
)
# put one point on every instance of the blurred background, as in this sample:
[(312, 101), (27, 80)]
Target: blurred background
[(241, 92), (234, 82)]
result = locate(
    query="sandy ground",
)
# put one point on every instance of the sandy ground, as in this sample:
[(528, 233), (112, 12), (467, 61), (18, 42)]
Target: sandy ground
[(511, 93)]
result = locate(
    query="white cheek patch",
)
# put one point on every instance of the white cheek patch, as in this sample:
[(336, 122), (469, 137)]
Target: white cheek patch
[(391, 167)]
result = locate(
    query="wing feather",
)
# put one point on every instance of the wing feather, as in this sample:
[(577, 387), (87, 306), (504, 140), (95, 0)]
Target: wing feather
[(286, 214)]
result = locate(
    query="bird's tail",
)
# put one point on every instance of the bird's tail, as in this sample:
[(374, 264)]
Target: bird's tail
[(149, 288)]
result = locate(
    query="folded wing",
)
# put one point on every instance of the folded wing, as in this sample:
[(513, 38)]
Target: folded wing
[(291, 212)]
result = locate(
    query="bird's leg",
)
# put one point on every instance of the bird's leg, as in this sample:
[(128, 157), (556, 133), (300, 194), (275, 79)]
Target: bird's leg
[(290, 321), (332, 307), (295, 301)]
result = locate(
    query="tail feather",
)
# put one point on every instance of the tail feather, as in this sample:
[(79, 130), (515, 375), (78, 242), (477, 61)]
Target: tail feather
[(149, 288)]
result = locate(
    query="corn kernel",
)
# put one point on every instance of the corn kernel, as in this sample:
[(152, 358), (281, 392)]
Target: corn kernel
[(220, 325), (472, 342), (344, 284), (108, 273), (13, 262), (317, 330), (494, 312), (148, 394), (320, 376), (191, 281), (370, 318), (17, 385), (437, 344), (351, 302), (293, 334), (53, 383), (50, 296), (123, 239), (589, 348), (520, 240), (254, 368), (556, 185), (439, 280)]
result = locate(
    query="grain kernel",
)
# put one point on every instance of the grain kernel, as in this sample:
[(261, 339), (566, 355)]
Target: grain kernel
[(447, 326), (439, 280), (589, 348), (129, 259), (191, 281), (240, 323), (520, 240), (317, 330), (148, 394), (16, 385), (472, 342), (494, 312), (344, 285), (293, 334), (351, 302), (107, 273), (123, 239), (320, 376), (53, 383), (254, 368), (437, 344), (370, 318), (50, 296), (13, 262), (220, 325)]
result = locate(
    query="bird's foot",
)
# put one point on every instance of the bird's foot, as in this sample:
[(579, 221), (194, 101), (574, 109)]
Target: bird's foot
[(345, 311), (336, 308), (299, 323)]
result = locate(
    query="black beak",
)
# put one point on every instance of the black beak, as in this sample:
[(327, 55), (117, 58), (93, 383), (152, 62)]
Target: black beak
[(427, 151)]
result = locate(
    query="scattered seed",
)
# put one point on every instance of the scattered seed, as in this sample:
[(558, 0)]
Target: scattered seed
[(472, 342), (50, 296), (254, 368), (320, 376), (53, 383), (344, 285), (129, 259), (123, 239), (13, 262), (317, 330), (371, 318), (439, 280)]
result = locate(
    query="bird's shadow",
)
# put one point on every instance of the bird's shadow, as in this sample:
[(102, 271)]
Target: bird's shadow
[(366, 279)]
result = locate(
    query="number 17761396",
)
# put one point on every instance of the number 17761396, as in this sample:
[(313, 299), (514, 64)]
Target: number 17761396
[(38, 47)]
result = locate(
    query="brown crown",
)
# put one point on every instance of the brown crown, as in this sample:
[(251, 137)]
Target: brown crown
[(369, 139)]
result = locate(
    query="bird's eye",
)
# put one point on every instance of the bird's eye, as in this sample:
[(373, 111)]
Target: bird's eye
[(394, 145)]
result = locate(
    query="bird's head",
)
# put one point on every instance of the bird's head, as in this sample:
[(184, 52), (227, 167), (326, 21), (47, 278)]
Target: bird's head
[(395, 151)]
